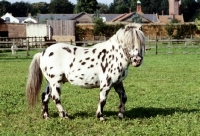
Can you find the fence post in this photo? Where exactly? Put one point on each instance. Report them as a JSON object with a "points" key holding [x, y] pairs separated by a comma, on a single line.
{"points": [[186, 47], [40, 42], [156, 45], [27, 48], [169, 45]]}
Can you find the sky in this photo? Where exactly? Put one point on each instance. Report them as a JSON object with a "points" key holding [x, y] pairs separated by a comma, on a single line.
{"points": [[48, 1]]}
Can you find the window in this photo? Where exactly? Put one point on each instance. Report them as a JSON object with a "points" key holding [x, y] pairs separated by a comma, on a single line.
{"points": [[7, 19]]}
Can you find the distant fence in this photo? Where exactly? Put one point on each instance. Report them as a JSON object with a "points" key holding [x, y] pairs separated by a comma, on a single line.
{"points": [[34, 43], [153, 46], [188, 45]]}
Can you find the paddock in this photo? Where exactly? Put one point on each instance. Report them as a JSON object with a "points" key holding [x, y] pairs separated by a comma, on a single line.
{"points": [[164, 96]]}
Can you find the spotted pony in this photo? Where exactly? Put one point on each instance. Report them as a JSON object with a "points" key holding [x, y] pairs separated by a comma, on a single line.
{"points": [[104, 65]]}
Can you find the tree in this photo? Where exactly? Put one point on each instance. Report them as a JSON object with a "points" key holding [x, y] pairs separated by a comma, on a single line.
{"points": [[41, 7], [188, 8], [61, 6], [5, 7], [137, 18], [103, 8], [20, 9], [88, 6], [120, 6]]}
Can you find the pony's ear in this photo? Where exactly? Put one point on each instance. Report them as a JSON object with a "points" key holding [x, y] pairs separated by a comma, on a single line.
{"points": [[127, 28], [137, 26]]}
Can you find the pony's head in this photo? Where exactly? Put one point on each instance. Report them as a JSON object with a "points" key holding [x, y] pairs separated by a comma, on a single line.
{"points": [[132, 40]]}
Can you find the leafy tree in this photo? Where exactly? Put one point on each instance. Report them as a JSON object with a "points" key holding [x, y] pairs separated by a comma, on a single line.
{"points": [[41, 7], [197, 23], [188, 8], [174, 20], [61, 6], [5, 7], [21, 9], [164, 6], [103, 8], [137, 18], [88, 6], [145, 6], [120, 6], [101, 28]]}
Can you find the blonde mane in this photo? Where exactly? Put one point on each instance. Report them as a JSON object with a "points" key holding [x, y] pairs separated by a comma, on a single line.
{"points": [[131, 36]]}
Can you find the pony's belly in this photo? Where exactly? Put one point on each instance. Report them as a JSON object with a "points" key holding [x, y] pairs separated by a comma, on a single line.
{"points": [[88, 84], [84, 80]]}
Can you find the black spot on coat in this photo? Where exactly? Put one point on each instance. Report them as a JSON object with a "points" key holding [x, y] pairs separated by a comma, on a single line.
{"points": [[67, 49], [50, 54]]}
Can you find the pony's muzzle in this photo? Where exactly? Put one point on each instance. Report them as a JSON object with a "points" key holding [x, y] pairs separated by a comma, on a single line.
{"points": [[136, 61]]}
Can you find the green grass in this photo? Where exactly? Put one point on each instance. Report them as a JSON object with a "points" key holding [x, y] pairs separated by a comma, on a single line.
{"points": [[163, 99]]}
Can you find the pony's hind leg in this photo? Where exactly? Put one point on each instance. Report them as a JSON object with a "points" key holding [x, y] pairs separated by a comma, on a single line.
{"points": [[56, 92], [45, 100], [119, 88]]}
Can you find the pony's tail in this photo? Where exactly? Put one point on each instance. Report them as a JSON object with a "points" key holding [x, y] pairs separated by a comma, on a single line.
{"points": [[34, 81]]}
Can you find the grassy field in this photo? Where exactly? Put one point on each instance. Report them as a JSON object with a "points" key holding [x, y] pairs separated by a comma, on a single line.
{"points": [[163, 99]]}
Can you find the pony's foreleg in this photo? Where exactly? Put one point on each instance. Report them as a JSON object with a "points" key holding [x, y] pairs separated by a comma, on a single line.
{"points": [[102, 101], [56, 92], [119, 88], [45, 100]]}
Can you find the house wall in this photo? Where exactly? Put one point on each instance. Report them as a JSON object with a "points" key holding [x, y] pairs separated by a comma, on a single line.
{"points": [[84, 19], [62, 27], [3, 27], [36, 30], [16, 30], [173, 7]]}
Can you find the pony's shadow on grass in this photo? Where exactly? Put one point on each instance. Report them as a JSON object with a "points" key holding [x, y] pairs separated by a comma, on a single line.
{"points": [[76, 115], [143, 112], [134, 113]]}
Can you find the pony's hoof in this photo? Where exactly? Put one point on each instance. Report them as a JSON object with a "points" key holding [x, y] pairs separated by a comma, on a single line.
{"points": [[102, 119], [64, 115], [67, 118], [45, 116], [120, 116]]}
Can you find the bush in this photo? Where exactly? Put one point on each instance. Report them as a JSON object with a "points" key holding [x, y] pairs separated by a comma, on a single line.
{"points": [[103, 29], [180, 30]]}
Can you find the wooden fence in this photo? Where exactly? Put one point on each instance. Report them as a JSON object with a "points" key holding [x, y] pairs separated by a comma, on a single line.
{"points": [[189, 45], [62, 27]]}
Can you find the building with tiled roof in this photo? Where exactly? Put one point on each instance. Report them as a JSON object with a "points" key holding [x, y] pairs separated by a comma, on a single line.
{"points": [[9, 18], [174, 12], [129, 17], [80, 17]]}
